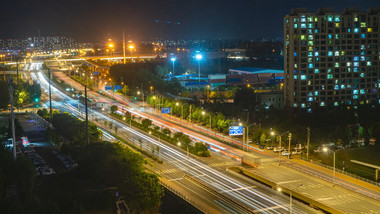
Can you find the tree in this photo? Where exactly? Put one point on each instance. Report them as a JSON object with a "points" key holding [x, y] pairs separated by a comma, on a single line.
{"points": [[146, 123], [263, 138], [110, 124], [125, 89], [116, 129], [113, 109]]}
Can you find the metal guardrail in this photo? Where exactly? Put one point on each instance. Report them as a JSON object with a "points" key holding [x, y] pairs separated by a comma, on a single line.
{"points": [[343, 172], [184, 197]]}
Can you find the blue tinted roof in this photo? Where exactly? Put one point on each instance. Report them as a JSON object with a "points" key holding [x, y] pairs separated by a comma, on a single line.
{"points": [[258, 70]]}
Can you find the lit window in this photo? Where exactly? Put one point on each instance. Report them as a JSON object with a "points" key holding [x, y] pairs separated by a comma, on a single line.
{"points": [[362, 53], [330, 53], [310, 54], [311, 65], [295, 105], [369, 64], [355, 97], [356, 30], [355, 91], [316, 53], [336, 36], [363, 36], [303, 19], [337, 65], [316, 71], [295, 53], [343, 52], [342, 87], [330, 36], [362, 75], [295, 20], [362, 58], [322, 104], [303, 25], [309, 110], [316, 30], [330, 18], [348, 86], [369, 30], [310, 99], [317, 59], [356, 69], [309, 18], [363, 24], [295, 25], [323, 87], [329, 76], [336, 104], [349, 30], [316, 93], [337, 24], [303, 77], [309, 25], [336, 87], [356, 19], [356, 58], [356, 64], [295, 65], [349, 63], [315, 19], [362, 47], [329, 70], [303, 37], [303, 105], [336, 53], [310, 37], [362, 91], [310, 43], [295, 77], [337, 19], [310, 48]]}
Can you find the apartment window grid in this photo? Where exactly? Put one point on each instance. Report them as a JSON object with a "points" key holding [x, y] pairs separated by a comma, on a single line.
{"points": [[334, 57]]}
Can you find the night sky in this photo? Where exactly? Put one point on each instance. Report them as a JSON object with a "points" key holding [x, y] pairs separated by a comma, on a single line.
{"points": [[93, 20]]}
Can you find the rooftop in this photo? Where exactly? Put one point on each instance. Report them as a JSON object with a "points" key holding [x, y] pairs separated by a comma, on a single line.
{"points": [[256, 70]]}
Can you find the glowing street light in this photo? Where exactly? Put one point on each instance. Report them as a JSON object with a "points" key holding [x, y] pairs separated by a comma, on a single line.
{"points": [[325, 149], [199, 57], [131, 47], [173, 60]]}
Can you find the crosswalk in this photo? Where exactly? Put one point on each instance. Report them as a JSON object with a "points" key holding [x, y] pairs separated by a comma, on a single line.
{"points": [[213, 165]]}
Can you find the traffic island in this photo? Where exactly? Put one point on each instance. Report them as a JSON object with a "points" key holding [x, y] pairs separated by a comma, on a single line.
{"points": [[243, 173]]}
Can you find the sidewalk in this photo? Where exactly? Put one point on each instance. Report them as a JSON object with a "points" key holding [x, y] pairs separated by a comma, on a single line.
{"points": [[338, 175]]}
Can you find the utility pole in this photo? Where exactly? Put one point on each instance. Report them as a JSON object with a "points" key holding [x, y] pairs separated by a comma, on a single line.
{"points": [[244, 137], [10, 81], [17, 70], [190, 114], [51, 110], [308, 142], [85, 103], [125, 60], [290, 139]]}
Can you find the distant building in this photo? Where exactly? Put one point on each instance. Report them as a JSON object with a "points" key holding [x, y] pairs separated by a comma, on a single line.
{"points": [[254, 76], [271, 99], [331, 59]]}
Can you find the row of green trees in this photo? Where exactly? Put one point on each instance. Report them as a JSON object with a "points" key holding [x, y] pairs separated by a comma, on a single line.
{"points": [[178, 138], [23, 93]]}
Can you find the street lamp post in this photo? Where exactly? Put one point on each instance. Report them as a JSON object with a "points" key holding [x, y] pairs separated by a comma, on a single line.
{"points": [[180, 119], [204, 113], [246, 138], [325, 149], [199, 57], [173, 60], [279, 189]]}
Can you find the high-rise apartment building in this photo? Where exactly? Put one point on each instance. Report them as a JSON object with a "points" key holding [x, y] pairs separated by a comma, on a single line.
{"points": [[331, 59]]}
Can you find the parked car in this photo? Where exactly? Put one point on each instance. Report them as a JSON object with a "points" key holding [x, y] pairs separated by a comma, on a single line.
{"points": [[285, 153], [278, 149], [296, 152], [270, 147], [47, 171]]}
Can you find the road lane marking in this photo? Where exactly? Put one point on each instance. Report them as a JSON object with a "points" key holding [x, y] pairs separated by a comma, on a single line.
{"points": [[238, 189]]}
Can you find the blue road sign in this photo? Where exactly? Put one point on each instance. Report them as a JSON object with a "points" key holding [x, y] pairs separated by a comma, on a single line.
{"points": [[236, 130], [108, 87], [96, 73], [117, 87], [165, 110]]}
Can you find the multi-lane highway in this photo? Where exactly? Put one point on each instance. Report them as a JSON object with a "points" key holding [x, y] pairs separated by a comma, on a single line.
{"points": [[243, 197]]}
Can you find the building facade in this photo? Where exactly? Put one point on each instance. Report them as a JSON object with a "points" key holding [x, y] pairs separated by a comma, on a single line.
{"points": [[331, 59]]}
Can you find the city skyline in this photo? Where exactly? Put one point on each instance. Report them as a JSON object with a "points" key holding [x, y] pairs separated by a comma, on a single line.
{"points": [[93, 21]]}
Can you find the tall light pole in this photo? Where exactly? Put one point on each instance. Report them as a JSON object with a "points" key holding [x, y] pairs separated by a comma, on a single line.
{"points": [[124, 59], [180, 119], [290, 139], [10, 80], [199, 57], [51, 110], [204, 113], [325, 149], [308, 142], [173, 60], [246, 138]]}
